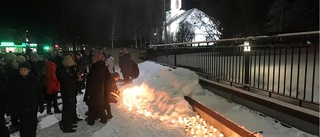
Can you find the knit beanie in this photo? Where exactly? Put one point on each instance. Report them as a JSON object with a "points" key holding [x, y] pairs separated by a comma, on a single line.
{"points": [[10, 56], [25, 65], [68, 61], [21, 59], [33, 55]]}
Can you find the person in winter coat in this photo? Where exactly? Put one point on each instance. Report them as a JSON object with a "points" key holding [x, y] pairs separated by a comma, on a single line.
{"points": [[68, 79], [53, 86], [28, 98], [35, 69], [12, 72], [110, 63], [125, 65], [113, 89], [3, 96], [80, 66], [97, 89]]}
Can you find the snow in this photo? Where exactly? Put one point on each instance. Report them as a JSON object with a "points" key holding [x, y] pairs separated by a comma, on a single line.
{"points": [[150, 103]]}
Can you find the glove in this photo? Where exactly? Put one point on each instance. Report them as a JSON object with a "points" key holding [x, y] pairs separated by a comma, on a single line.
{"points": [[41, 109]]}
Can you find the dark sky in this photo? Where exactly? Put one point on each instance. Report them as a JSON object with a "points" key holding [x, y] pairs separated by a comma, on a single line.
{"points": [[91, 20]]}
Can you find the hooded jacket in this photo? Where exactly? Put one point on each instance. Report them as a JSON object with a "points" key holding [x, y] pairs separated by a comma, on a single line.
{"points": [[97, 88], [110, 64]]}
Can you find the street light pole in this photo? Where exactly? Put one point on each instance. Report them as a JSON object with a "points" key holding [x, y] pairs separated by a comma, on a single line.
{"points": [[165, 22]]}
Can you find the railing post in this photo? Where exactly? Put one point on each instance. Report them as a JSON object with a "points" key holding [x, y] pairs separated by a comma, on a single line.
{"points": [[246, 68], [246, 53], [175, 56]]}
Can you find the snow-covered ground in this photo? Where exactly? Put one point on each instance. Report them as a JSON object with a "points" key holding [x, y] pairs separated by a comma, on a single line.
{"points": [[152, 105]]}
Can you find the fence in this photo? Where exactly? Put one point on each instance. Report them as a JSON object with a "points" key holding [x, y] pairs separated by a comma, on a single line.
{"points": [[284, 64]]}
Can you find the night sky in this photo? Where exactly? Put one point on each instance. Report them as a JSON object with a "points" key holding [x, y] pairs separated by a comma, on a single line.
{"points": [[83, 21]]}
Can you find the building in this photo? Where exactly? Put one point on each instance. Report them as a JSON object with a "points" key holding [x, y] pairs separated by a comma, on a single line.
{"points": [[189, 26]]}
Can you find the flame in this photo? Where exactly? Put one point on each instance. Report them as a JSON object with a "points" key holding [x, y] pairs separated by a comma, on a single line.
{"points": [[135, 99]]}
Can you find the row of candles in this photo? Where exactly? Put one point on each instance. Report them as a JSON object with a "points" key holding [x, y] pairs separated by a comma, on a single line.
{"points": [[195, 126]]}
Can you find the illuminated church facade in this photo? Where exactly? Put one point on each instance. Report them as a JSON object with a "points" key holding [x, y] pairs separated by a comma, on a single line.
{"points": [[201, 26]]}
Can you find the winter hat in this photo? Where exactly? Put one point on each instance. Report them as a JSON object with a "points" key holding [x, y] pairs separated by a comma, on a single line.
{"points": [[25, 65], [68, 61], [33, 55], [21, 59], [10, 56]]}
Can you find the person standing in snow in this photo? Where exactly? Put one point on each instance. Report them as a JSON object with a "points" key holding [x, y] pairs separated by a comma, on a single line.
{"points": [[68, 78], [110, 63], [35, 69], [53, 85], [97, 89], [125, 65], [28, 98], [3, 96], [11, 68], [80, 66]]}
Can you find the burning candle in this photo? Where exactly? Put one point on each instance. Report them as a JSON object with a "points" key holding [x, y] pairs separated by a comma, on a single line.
{"points": [[214, 130], [205, 130], [205, 135], [161, 119], [210, 134], [173, 121], [186, 129], [221, 135]]}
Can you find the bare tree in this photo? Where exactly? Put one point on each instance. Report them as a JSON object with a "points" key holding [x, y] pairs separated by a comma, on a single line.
{"points": [[185, 32], [134, 35], [113, 33], [208, 24]]}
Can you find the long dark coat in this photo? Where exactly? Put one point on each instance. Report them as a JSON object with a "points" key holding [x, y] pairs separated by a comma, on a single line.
{"points": [[27, 93], [97, 87], [3, 89], [125, 63]]}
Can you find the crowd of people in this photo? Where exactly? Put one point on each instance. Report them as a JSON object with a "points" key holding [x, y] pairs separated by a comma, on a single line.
{"points": [[29, 85]]}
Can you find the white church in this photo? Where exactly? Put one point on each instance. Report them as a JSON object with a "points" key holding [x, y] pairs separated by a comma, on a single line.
{"points": [[203, 26]]}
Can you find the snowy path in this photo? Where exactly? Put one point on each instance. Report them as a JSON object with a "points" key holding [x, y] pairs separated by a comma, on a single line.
{"points": [[169, 86]]}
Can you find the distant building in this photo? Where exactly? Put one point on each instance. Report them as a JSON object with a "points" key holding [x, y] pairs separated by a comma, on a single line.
{"points": [[189, 26]]}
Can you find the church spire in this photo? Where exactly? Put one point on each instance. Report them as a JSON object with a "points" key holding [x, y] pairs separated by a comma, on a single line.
{"points": [[175, 4]]}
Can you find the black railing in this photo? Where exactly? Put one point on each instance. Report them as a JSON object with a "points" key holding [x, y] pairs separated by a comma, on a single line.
{"points": [[290, 68]]}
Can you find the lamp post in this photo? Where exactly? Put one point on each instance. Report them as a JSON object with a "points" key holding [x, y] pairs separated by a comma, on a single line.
{"points": [[28, 49], [246, 50], [165, 22]]}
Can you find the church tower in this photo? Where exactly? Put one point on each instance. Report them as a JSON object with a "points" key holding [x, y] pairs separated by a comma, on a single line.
{"points": [[175, 5]]}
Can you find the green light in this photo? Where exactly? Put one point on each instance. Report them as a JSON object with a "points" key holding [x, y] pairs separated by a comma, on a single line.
{"points": [[33, 45], [46, 47], [7, 44]]}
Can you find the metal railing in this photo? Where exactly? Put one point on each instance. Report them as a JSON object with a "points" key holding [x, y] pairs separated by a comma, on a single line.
{"points": [[284, 64]]}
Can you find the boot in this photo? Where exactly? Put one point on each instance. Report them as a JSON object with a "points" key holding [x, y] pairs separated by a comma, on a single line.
{"points": [[109, 115], [57, 111]]}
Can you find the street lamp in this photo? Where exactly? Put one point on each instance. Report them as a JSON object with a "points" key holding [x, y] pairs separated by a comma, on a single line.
{"points": [[246, 45]]}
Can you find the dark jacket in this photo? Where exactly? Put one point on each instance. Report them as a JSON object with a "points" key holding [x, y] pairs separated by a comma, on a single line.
{"points": [[28, 93], [97, 87], [12, 75], [35, 69], [67, 81], [3, 89], [125, 63]]}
